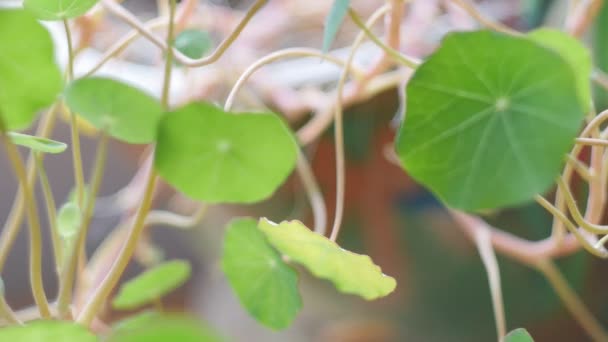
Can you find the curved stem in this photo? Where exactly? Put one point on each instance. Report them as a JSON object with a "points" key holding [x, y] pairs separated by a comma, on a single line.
{"points": [[12, 227], [315, 196], [130, 19], [7, 312], [34, 223], [571, 300], [399, 57], [160, 217], [70, 264], [477, 15], [51, 208], [571, 227], [575, 212], [483, 242]]}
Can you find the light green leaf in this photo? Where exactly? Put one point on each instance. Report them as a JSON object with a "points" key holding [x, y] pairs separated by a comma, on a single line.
{"points": [[193, 43], [152, 285], [575, 53], [69, 219], [37, 144], [123, 111], [333, 22], [29, 77], [220, 157], [518, 335], [58, 9], [157, 327], [265, 285], [489, 119], [45, 331], [350, 272]]}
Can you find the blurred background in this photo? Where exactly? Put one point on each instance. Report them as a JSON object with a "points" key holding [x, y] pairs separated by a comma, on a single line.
{"points": [[442, 290]]}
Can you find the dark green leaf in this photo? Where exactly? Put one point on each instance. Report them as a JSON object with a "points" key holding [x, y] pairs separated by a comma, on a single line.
{"points": [[46, 331], [157, 327], [58, 9], [518, 335], [489, 119], [152, 285], [265, 285], [333, 22], [193, 43], [123, 111], [29, 78], [37, 144], [216, 157], [350, 272]]}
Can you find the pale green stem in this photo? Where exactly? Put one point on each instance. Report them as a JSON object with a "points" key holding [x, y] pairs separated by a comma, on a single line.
{"points": [[51, 209]]}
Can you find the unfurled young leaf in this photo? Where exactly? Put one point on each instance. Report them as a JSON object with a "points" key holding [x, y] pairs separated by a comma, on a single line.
{"points": [[518, 335], [350, 272], [46, 331], [58, 9], [265, 285], [489, 119], [37, 144], [124, 112], [333, 22], [220, 157], [29, 78], [152, 285], [159, 327]]}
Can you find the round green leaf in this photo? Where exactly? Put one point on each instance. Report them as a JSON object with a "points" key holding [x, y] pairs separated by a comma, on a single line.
{"points": [[216, 157], [152, 285], [123, 111], [489, 119], [69, 219], [37, 144], [193, 43], [29, 77], [58, 9], [575, 53], [45, 331], [157, 327], [265, 285], [518, 335], [350, 272]]}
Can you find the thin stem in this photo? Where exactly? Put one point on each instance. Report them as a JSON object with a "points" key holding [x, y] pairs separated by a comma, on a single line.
{"points": [[483, 242], [13, 224], [575, 212], [160, 217], [70, 264], [571, 227], [7, 313], [69, 40], [592, 141], [34, 223], [51, 208], [313, 191], [571, 300], [399, 57], [580, 167], [130, 19], [101, 293], [468, 7]]}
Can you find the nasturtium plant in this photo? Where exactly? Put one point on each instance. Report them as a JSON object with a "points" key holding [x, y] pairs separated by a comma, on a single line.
{"points": [[45, 331], [350, 272], [58, 9], [575, 53], [152, 285], [334, 20], [518, 335], [264, 284], [160, 327], [219, 157], [123, 111], [193, 43], [37, 144], [69, 218], [489, 119], [29, 78]]}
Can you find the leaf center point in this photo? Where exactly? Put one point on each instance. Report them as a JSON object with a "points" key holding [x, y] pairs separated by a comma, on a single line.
{"points": [[502, 104]]}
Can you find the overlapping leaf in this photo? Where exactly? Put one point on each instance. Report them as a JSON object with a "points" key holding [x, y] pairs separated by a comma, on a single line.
{"points": [[45, 331], [37, 144], [58, 9]]}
